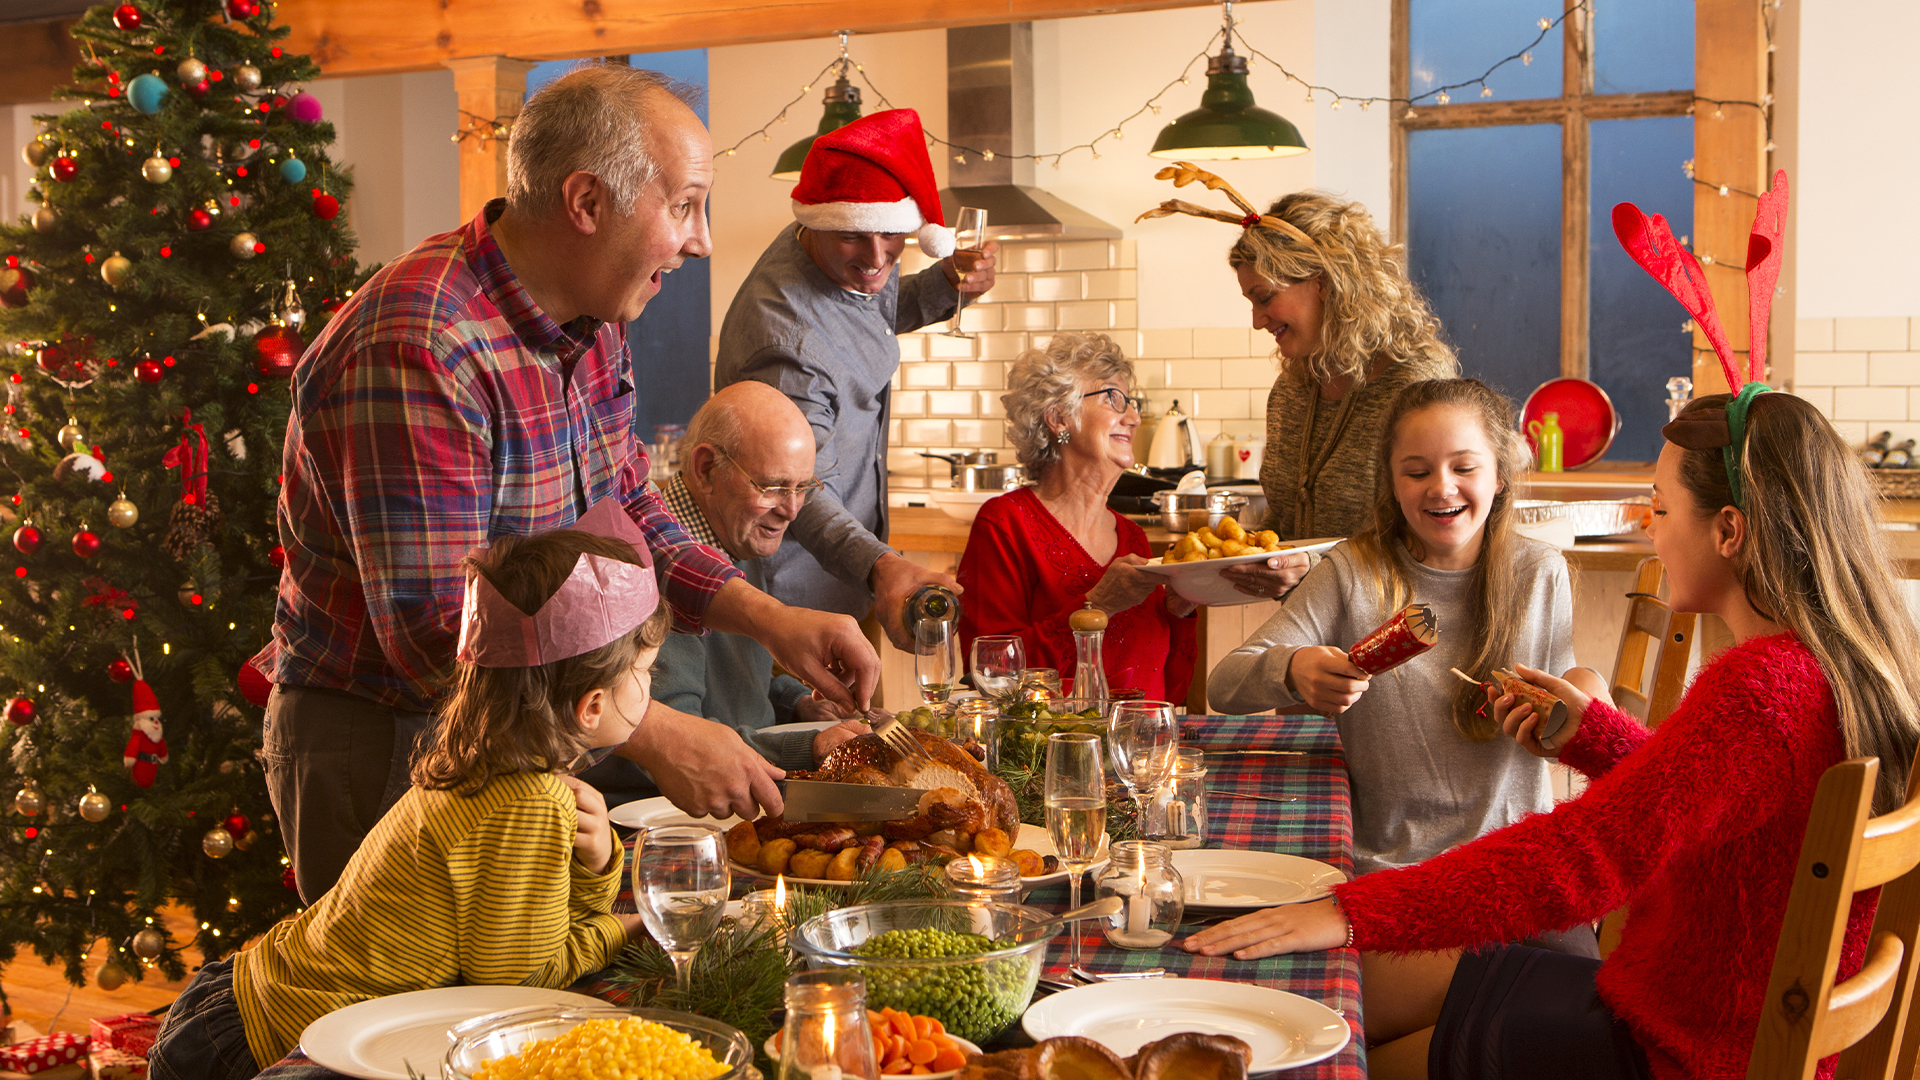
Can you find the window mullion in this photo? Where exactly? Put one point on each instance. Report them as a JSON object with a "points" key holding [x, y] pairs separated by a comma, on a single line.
{"points": [[1576, 68]]}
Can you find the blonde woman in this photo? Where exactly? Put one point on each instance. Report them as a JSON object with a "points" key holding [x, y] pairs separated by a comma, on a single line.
{"points": [[1351, 332]]}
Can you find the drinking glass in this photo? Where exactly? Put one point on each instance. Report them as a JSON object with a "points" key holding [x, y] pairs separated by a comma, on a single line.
{"points": [[1144, 740], [936, 659], [969, 235], [997, 663], [680, 885], [1076, 796]]}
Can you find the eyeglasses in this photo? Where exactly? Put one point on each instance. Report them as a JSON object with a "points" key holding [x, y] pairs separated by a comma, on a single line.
{"points": [[774, 492], [1117, 400]]}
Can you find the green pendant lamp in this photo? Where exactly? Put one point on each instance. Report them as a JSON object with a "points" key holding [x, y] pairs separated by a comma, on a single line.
{"points": [[1228, 125], [843, 107]]}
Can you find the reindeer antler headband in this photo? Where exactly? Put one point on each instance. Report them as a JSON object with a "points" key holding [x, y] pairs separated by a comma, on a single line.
{"points": [[1650, 241], [600, 601], [1183, 173]]}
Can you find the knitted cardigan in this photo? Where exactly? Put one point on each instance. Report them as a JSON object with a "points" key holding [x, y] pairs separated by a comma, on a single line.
{"points": [[1696, 827]]}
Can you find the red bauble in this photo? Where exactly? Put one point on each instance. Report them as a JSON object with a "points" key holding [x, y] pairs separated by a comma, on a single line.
{"points": [[126, 17], [120, 671], [199, 221], [287, 879], [278, 349], [242, 9], [14, 283], [26, 539], [148, 371], [86, 544], [197, 89], [68, 363], [278, 557], [65, 168], [326, 207], [22, 711], [237, 824]]}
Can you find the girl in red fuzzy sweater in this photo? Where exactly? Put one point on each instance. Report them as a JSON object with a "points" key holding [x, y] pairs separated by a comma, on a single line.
{"points": [[1695, 827]]}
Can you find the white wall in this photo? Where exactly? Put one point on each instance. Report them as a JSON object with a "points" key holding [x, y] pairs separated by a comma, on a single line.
{"points": [[394, 133]]}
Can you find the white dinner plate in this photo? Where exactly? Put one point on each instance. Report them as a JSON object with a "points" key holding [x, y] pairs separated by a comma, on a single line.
{"points": [[1200, 580], [658, 811], [1031, 838], [378, 1039], [1218, 878], [972, 1050], [1284, 1030]]}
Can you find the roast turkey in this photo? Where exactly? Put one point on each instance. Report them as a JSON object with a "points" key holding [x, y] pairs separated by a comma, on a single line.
{"points": [[961, 794]]}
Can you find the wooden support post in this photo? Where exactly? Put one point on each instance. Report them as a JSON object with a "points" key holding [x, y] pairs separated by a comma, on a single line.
{"points": [[489, 88], [1729, 148]]}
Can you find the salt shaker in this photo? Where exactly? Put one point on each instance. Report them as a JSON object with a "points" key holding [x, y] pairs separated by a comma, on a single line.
{"points": [[827, 1036], [1177, 816], [1152, 892]]}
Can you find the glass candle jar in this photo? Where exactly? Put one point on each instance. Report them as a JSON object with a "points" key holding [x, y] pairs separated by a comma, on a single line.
{"points": [[973, 725], [827, 1036], [984, 877], [1152, 893], [1040, 684], [1177, 816]]}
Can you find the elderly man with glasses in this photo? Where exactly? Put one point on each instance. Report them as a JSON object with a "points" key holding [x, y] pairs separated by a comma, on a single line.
{"points": [[746, 471]]}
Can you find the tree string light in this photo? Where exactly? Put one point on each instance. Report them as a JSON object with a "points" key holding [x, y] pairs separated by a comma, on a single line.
{"points": [[483, 129]]}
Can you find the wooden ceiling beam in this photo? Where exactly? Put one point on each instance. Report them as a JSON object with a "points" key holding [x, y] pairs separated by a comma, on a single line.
{"points": [[35, 58]]}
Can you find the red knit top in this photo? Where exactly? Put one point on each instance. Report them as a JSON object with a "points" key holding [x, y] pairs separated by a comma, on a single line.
{"points": [[1695, 827]]}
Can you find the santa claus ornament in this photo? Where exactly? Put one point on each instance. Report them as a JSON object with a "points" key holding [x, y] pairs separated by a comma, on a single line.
{"points": [[146, 746], [874, 176]]}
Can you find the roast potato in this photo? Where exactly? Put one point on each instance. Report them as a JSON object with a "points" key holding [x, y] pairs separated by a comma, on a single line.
{"points": [[809, 864], [774, 855], [743, 844]]}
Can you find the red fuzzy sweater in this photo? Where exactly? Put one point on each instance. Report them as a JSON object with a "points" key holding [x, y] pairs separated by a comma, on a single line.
{"points": [[1696, 827]]}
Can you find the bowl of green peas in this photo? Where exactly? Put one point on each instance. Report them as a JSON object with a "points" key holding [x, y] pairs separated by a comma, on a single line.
{"points": [[972, 964]]}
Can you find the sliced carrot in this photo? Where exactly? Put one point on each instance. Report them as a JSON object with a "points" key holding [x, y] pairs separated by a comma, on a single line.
{"points": [[948, 1058], [896, 1068], [921, 1070], [935, 1026], [900, 1047], [921, 1051]]}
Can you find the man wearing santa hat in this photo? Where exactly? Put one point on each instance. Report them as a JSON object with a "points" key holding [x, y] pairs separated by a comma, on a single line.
{"points": [[817, 318]]}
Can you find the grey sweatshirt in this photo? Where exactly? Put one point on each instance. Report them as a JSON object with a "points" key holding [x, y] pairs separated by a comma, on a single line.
{"points": [[1419, 786]]}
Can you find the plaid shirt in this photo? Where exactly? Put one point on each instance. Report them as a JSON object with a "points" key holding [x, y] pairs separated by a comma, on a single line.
{"points": [[439, 409]]}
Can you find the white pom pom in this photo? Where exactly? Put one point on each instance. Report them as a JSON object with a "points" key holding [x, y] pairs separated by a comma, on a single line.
{"points": [[935, 240]]}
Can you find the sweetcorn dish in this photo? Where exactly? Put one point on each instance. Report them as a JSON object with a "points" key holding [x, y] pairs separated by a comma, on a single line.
{"points": [[710, 1050]]}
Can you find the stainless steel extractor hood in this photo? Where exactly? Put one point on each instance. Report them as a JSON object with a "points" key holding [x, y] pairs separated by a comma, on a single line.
{"points": [[990, 108]]}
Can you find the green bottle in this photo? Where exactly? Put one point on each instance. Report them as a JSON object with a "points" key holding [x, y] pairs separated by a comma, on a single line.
{"points": [[1547, 440]]}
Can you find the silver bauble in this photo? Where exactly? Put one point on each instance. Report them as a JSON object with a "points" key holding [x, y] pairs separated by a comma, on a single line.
{"points": [[36, 153], [70, 434], [156, 170], [218, 843], [242, 245], [46, 219], [122, 514], [148, 944], [29, 801], [191, 71], [246, 78], [95, 806]]}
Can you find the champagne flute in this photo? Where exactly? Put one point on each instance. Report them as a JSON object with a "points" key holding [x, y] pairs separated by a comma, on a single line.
{"points": [[1144, 741], [680, 884], [970, 236], [998, 660], [936, 659], [1076, 796]]}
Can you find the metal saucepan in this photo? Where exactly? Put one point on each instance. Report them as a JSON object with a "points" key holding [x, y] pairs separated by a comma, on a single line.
{"points": [[988, 477], [959, 461], [1182, 511]]}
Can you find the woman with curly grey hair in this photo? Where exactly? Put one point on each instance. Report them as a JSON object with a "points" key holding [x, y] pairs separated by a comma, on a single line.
{"points": [[1040, 553]]}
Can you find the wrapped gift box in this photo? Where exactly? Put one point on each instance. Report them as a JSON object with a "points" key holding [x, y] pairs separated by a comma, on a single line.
{"points": [[132, 1033], [106, 1063], [36, 1057]]}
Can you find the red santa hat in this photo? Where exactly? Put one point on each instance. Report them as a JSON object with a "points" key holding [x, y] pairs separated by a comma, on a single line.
{"points": [[874, 176], [143, 699]]}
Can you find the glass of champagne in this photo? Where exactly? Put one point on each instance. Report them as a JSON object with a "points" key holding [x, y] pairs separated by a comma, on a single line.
{"points": [[680, 885], [998, 661], [1144, 742], [1076, 795], [936, 659], [970, 236]]}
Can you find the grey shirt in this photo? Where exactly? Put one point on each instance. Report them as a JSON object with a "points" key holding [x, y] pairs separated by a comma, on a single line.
{"points": [[834, 353], [1419, 786]]}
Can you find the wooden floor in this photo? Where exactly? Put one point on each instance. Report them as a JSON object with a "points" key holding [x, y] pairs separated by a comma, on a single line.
{"points": [[41, 996]]}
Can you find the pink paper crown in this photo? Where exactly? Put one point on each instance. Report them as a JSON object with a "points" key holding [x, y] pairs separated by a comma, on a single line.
{"points": [[600, 601]]}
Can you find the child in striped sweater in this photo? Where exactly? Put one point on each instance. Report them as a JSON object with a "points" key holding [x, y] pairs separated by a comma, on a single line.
{"points": [[497, 867]]}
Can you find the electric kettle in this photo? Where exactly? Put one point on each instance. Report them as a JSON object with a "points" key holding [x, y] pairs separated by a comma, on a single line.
{"points": [[1176, 442]]}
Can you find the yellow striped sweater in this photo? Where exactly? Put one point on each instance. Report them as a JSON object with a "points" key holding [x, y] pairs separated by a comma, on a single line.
{"points": [[447, 889]]}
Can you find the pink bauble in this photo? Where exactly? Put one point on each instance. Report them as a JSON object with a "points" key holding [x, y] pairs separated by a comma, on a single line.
{"points": [[304, 107]]}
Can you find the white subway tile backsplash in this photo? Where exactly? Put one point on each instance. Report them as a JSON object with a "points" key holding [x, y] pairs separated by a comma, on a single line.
{"points": [[1220, 341], [1150, 374], [925, 375], [1893, 368], [1030, 317], [1007, 289], [983, 318], [1855, 434], [1002, 346], [1126, 314], [1867, 403], [942, 347], [1111, 284], [1025, 258], [1051, 287], [1080, 255], [989, 403], [1171, 344], [909, 403], [927, 433], [913, 346], [1240, 429], [1194, 374], [1820, 396], [1813, 335], [1251, 372], [1870, 334], [950, 402], [1216, 404], [1124, 254], [1831, 369], [1084, 314], [968, 375], [978, 434]]}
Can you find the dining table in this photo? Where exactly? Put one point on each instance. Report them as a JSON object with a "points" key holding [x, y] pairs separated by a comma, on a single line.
{"points": [[1275, 784]]}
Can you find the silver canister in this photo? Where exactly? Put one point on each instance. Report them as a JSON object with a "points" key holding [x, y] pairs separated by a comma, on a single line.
{"points": [[1177, 816]]}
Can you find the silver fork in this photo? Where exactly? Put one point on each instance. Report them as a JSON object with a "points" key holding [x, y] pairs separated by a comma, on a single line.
{"points": [[903, 742]]}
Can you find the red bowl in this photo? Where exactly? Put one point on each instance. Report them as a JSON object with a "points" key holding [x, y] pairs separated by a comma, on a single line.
{"points": [[1587, 419]]}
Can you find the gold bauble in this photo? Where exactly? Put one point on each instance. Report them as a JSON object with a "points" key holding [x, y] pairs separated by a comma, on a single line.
{"points": [[46, 219], [70, 434], [246, 78], [218, 843], [242, 245], [115, 270], [29, 801], [110, 977], [156, 169], [95, 806], [122, 514], [190, 71], [36, 153], [148, 944], [247, 840]]}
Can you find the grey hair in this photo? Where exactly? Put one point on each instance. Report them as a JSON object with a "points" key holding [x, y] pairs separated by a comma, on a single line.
{"points": [[594, 119], [1048, 381], [716, 424]]}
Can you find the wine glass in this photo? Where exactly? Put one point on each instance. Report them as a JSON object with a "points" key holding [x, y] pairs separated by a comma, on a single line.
{"points": [[680, 885], [1076, 795], [969, 235], [1144, 741], [936, 659], [998, 660]]}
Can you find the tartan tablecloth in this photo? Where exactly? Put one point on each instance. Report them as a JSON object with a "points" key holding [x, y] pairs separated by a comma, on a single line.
{"points": [[1318, 826]]}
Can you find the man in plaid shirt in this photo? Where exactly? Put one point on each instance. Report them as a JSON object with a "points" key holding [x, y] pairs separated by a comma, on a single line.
{"points": [[480, 385]]}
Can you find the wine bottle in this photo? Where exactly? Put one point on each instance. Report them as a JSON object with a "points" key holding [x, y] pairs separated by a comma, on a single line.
{"points": [[1900, 457]]}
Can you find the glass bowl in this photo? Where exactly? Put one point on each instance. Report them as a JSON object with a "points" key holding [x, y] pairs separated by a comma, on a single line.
{"points": [[976, 995], [496, 1035], [1020, 742]]}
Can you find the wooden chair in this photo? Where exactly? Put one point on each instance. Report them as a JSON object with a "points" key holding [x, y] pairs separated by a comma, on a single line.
{"points": [[1806, 1016], [1651, 621]]}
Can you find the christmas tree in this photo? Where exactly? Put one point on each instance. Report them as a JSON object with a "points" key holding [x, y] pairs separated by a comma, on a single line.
{"points": [[151, 312]]}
